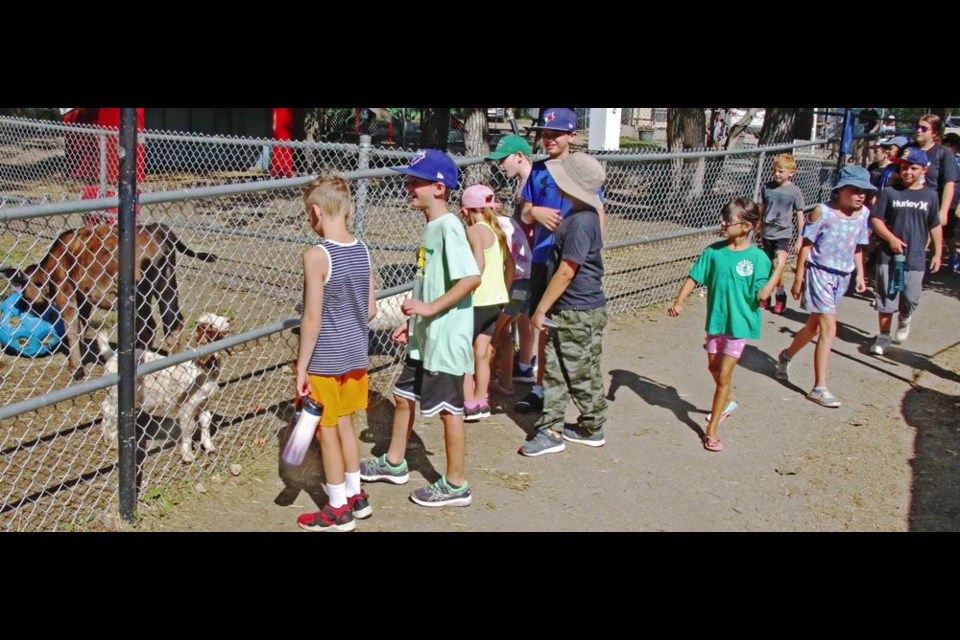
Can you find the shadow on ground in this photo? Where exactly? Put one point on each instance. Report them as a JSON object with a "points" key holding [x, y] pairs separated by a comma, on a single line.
{"points": [[935, 504]]}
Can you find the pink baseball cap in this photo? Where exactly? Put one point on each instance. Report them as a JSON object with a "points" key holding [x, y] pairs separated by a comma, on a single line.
{"points": [[479, 196]]}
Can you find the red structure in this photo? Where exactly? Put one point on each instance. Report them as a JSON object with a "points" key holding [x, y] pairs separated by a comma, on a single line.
{"points": [[281, 159], [83, 149]]}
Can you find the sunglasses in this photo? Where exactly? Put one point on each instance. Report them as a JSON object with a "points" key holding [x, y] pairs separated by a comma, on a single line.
{"points": [[922, 128], [731, 223]]}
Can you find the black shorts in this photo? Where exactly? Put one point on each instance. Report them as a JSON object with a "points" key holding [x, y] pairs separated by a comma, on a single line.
{"points": [[485, 319], [950, 229], [442, 391], [771, 246], [538, 285]]}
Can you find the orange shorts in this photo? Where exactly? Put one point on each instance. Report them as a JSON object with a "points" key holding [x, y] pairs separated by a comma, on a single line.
{"points": [[340, 395]]}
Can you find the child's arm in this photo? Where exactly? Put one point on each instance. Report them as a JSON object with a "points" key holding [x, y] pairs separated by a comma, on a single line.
{"points": [[936, 234], [315, 267], [475, 239], [555, 288], [767, 289], [801, 222], [883, 231], [372, 309], [797, 287], [858, 262], [688, 286], [546, 216], [509, 270], [454, 294], [602, 213]]}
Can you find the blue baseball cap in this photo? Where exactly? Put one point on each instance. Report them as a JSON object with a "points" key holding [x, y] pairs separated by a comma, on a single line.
{"points": [[433, 165], [900, 141], [558, 119], [913, 155]]}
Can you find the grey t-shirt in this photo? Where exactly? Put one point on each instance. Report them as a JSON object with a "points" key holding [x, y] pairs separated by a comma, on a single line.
{"points": [[578, 240], [909, 214], [780, 202]]}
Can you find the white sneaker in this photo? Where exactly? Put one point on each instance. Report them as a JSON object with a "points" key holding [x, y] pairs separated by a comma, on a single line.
{"points": [[903, 329], [880, 344]]}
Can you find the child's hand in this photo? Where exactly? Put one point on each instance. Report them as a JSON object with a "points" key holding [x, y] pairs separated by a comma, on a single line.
{"points": [[414, 307], [302, 384], [861, 284], [537, 320], [675, 310], [797, 288], [549, 218], [401, 334], [897, 245]]}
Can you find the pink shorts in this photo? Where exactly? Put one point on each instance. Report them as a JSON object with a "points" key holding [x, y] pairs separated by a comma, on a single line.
{"points": [[726, 345]]}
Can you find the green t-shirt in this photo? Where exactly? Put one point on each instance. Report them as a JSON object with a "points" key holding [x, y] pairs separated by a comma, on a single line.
{"points": [[445, 341], [733, 279]]}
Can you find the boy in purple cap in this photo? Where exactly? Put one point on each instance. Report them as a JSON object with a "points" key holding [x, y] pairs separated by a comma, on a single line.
{"points": [[544, 204], [904, 217], [439, 335]]}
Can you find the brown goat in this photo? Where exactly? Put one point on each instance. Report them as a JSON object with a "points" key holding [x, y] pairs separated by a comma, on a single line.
{"points": [[80, 271]]}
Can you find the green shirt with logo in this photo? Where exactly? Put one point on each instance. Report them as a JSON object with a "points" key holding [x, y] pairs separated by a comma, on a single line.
{"points": [[443, 342], [733, 279]]}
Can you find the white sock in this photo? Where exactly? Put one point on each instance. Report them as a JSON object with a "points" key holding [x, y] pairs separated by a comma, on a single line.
{"points": [[780, 290], [353, 482], [338, 495], [537, 390]]}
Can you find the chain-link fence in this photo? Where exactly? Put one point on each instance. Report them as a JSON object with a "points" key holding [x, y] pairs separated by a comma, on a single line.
{"points": [[58, 469]]}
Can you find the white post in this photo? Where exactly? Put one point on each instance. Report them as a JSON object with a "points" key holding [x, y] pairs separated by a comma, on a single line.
{"points": [[604, 129]]}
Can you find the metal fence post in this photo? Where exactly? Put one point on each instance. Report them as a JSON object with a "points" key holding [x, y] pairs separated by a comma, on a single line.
{"points": [[126, 331], [103, 163], [761, 161], [363, 162]]}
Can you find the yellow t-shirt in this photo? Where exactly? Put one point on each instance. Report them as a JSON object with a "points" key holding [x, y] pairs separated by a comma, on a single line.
{"points": [[492, 289]]}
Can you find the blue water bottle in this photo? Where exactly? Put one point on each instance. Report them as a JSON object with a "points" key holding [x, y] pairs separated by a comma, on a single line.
{"points": [[303, 432], [896, 275]]}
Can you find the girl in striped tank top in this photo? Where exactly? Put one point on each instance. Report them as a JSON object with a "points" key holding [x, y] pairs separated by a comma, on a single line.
{"points": [[332, 364], [489, 244]]}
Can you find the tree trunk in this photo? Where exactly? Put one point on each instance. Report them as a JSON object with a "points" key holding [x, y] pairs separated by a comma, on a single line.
{"points": [[685, 130], [778, 126], [434, 128], [737, 129], [475, 145]]}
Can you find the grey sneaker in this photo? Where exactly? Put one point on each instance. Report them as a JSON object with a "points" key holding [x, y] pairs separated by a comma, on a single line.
{"points": [[824, 398], [472, 415], [544, 441], [441, 494], [578, 434], [782, 372], [377, 469], [903, 329], [880, 345]]}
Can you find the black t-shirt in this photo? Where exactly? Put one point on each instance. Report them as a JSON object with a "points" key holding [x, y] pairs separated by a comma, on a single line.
{"points": [[578, 240], [909, 214]]}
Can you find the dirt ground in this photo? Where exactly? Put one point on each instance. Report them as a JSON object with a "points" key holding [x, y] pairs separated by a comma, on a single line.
{"points": [[887, 460]]}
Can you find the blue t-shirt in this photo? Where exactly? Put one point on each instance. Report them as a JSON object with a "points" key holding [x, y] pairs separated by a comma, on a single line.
{"points": [[835, 238], [541, 190]]}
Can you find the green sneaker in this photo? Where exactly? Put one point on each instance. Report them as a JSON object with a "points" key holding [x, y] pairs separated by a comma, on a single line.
{"points": [[441, 494], [377, 469]]}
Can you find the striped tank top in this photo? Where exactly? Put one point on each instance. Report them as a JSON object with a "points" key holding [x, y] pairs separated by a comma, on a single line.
{"points": [[342, 344], [492, 289]]}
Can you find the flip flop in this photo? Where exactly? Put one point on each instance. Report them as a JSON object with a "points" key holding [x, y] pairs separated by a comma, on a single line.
{"points": [[712, 444], [731, 407]]}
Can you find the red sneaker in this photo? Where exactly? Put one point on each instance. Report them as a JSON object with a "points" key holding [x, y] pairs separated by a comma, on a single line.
{"points": [[328, 519], [781, 304], [765, 303], [360, 505]]}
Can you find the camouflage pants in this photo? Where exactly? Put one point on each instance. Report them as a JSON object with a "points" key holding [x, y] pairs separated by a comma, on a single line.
{"points": [[572, 369]]}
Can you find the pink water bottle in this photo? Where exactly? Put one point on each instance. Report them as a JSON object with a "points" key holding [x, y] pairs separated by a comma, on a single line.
{"points": [[303, 432]]}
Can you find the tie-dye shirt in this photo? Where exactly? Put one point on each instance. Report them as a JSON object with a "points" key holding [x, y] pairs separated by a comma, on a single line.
{"points": [[835, 238]]}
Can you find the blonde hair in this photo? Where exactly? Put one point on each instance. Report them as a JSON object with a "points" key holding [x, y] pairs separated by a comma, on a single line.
{"points": [[785, 161], [330, 193], [490, 217]]}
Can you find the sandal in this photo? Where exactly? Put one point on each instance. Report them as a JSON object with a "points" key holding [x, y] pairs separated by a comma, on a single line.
{"points": [[712, 444], [731, 407]]}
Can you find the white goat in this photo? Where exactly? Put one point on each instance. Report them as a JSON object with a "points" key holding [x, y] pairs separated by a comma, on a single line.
{"points": [[183, 389]]}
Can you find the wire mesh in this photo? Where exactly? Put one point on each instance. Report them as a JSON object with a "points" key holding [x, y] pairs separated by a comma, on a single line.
{"points": [[58, 469]]}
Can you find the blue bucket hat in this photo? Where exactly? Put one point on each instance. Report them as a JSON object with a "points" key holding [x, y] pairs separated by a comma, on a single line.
{"points": [[913, 155], [433, 165], [854, 177], [558, 120]]}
